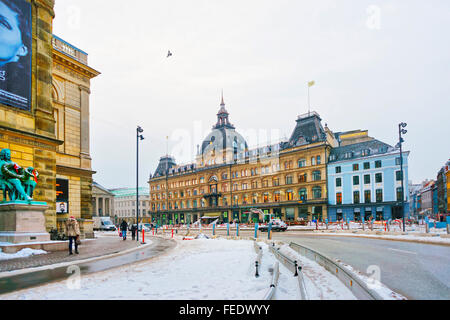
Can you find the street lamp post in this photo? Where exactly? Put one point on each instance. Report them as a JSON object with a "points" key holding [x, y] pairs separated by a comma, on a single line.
{"points": [[139, 136], [401, 131]]}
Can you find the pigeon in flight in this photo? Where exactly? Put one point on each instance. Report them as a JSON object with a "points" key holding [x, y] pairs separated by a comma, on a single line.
{"points": [[169, 54]]}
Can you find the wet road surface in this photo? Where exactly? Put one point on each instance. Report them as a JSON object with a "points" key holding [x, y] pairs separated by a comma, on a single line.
{"points": [[21, 281], [415, 270]]}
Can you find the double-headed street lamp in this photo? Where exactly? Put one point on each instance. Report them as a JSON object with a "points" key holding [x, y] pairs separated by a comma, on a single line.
{"points": [[401, 131], [139, 137]]}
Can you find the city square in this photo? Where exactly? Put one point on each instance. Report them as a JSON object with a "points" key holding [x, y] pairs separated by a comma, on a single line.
{"points": [[253, 151]]}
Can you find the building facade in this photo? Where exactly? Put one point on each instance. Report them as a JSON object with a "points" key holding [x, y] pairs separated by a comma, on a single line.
{"points": [[124, 204], [234, 183], [364, 180], [102, 201], [50, 130]]}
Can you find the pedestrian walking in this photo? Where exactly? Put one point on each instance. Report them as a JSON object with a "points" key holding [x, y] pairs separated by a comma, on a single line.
{"points": [[123, 229], [73, 232], [133, 231]]}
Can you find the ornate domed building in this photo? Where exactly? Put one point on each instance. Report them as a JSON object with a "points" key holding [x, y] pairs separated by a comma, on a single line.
{"points": [[224, 144]]}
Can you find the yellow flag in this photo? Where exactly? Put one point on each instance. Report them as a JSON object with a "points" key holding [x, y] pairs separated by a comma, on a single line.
{"points": [[311, 83]]}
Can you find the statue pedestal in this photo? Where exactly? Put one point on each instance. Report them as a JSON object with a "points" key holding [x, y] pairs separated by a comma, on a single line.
{"points": [[23, 222]]}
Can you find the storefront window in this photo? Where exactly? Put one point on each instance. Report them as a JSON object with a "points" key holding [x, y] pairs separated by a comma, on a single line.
{"points": [[290, 214]]}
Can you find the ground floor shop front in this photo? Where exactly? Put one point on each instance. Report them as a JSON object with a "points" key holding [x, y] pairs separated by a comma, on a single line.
{"points": [[292, 213], [378, 212]]}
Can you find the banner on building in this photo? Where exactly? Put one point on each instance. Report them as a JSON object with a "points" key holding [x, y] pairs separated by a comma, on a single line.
{"points": [[15, 53], [62, 196]]}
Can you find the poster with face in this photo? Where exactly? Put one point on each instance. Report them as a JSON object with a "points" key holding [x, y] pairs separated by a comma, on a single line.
{"points": [[61, 207], [15, 53]]}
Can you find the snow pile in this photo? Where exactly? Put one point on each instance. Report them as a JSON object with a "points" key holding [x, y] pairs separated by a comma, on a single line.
{"points": [[319, 283], [201, 236], [194, 270], [374, 284], [24, 253]]}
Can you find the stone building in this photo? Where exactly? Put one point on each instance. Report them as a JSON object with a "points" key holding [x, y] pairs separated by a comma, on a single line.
{"points": [[52, 134], [102, 201], [125, 205], [232, 182]]}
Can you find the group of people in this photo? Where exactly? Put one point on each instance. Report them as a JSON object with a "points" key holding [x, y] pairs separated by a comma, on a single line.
{"points": [[124, 229]]}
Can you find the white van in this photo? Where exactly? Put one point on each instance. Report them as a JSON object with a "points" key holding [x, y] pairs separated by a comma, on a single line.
{"points": [[103, 224]]}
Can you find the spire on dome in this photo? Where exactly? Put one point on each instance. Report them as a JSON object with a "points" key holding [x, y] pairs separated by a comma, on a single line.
{"points": [[222, 116]]}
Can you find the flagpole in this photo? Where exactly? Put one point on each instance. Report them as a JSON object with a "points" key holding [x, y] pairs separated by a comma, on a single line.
{"points": [[309, 104]]}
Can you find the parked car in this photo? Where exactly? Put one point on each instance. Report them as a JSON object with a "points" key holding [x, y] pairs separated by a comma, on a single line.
{"points": [[277, 225], [143, 226]]}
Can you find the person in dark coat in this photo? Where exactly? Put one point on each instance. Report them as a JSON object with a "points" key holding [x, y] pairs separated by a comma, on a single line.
{"points": [[133, 231], [123, 228]]}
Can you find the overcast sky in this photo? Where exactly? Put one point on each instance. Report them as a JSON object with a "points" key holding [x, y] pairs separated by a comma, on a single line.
{"points": [[375, 64]]}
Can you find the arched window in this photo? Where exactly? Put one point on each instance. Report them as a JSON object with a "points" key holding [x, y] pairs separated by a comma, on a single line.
{"points": [[317, 192]]}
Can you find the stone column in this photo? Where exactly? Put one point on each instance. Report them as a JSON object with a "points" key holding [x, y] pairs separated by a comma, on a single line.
{"points": [[96, 207]]}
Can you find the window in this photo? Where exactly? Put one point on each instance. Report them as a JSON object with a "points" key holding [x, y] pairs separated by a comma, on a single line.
{"points": [[367, 197], [277, 197], [245, 199], [338, 182], [313, 161], [356, 180], [302, 178], [276, 182], [316, 176], [397, 161], [244, 186], [399, 194], [339, 198], [266, 197], [378, 177], [338, 169], [355, 196], [255, 198], [379, 195], [398, 176], [366, 165], [317, 192], [301, 163], [289, 179], [302, 195], [378, 164], [355, 167], [318, 160], [289, 195], [265, 183], [367, 179]]}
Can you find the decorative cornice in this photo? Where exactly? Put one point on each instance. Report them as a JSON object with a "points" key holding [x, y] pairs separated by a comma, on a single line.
{"points": [[45, 4]]}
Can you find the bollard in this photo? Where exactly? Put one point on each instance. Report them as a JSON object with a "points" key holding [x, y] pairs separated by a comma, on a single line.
{"points": [[296, 267], [371, 225], [153, 231], [172, 232], [237, 229], [257, 274], [214, 229], [317, 225], [427, 227], [269, 230], [143, 236], [363, 222], [228, 229], [326, 223], [256, 230], [348, 224]]}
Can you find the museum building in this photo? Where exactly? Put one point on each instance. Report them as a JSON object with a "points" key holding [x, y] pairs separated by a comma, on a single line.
{"points": [[50, 130]]}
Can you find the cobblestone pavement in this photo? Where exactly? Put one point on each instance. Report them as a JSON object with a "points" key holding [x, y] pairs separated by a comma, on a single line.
{"points": [[102, 245]]}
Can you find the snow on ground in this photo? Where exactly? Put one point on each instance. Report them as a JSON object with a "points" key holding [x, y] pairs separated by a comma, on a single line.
{"points": [[26, 252], [319, 283], [197, 269], [374, 284]]}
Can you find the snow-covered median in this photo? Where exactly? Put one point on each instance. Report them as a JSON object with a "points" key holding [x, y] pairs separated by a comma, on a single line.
{"points": [[195, 270], [319, 283], [26, 252]]}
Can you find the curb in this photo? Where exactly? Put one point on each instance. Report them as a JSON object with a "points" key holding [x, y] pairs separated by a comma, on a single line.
{"points": [[379, 238], [7, 274]]}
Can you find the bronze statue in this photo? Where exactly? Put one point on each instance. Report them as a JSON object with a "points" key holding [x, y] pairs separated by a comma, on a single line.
{"points": [[18, 183]]}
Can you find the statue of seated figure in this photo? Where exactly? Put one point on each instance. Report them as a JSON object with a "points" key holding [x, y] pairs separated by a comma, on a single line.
{"points": [[14, 180]]}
